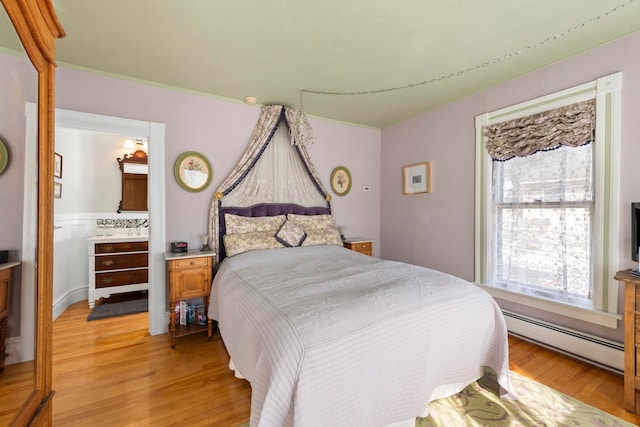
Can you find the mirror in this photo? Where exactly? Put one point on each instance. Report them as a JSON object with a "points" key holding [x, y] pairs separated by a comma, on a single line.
{"points": [[134, 171], [37, 27], [18, 84]]}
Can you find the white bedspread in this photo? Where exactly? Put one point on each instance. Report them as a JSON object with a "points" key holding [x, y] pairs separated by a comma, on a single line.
{"points": [[330, 337]]}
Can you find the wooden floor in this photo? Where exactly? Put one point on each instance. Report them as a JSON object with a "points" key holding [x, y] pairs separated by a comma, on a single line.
{"points": [[112, 373]]}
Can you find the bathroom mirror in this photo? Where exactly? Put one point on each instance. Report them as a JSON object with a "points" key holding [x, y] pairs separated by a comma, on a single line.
{"points": [[134, 170]]}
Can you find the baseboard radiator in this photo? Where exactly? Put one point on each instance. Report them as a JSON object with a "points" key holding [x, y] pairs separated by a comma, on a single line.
{"points": [[589, 348]]}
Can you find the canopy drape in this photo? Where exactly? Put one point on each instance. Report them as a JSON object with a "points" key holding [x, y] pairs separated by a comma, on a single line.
{"points": [[273, 169]]}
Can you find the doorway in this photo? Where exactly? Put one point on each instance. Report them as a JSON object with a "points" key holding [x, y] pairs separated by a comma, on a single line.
{"points": [[154, 134]]}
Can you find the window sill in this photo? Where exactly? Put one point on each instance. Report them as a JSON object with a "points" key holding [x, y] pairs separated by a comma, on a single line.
{"points": [[609, 320]]}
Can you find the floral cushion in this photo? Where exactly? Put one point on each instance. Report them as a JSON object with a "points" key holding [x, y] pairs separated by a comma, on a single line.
{"points": [[238, 243], [312, 222], [291, 234], [246, 224], [323, 236]]}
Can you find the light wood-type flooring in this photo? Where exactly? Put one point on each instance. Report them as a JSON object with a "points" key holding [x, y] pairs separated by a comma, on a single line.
{"points": [[112, 373]]}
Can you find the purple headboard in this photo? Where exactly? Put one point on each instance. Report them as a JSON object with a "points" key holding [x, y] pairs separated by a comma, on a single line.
{"points": [[265, 209]]}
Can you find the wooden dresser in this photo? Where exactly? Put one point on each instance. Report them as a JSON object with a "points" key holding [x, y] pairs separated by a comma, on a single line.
{"points": [[5, 294], [631, 339], [363, 246], [190, 276], [117, 264]]}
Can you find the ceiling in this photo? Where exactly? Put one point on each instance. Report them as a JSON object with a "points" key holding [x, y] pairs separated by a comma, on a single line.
{"points": [[271, 49]]}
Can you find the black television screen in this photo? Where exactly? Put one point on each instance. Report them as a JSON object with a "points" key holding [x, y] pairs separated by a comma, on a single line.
{"points": [[635, 230]]}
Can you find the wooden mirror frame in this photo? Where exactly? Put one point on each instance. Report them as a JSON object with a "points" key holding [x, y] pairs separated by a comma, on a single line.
{"points": [[134, 185], [37, 27]]}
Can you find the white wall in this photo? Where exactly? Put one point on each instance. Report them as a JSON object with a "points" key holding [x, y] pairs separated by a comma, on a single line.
{"points": [[91, 178]]}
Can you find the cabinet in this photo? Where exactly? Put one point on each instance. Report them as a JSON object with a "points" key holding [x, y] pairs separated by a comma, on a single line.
{"points": [[190, 276], [631, 339], [117, 265], [5, 288], [363, 246]]}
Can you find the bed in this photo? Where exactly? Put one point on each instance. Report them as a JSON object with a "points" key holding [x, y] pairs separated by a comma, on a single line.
{"points": [[330, 337]]}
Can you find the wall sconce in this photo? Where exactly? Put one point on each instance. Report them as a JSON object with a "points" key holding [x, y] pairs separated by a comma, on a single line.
{"points": [[136, 144]]}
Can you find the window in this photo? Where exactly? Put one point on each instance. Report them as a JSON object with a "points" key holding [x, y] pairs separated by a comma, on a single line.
{"points": [[543, 209], [546, 223]]}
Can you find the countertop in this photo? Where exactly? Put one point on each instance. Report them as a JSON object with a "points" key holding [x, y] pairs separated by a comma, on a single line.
{"points": [[118, 238], [191, 254]]}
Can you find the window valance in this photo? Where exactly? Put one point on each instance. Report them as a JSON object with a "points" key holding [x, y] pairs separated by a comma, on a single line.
{"points": [[571, 125]]}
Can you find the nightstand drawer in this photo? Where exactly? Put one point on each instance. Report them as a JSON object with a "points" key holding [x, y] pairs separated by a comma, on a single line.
{"points": [[363, 247], [191, 263]]}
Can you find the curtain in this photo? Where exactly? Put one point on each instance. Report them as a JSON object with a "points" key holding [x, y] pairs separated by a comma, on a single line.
{"points": [[543, 218], [278, 177], [571, 125], [273, 169]]}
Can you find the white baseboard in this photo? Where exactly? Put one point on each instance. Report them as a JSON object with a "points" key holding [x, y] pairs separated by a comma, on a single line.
{"points": [[72, 296], [589, 348]]}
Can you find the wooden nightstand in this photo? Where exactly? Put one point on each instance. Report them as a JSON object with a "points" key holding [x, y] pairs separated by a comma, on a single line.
{"points": [[190, 276], [5, 288], [631, 339], [363, 246]]}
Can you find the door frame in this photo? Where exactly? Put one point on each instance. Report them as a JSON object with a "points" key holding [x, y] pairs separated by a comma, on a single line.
{"points": [[155, 134]]}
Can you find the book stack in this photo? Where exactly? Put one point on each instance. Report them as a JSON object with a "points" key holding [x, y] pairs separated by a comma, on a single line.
{"points": [[188, 313]]}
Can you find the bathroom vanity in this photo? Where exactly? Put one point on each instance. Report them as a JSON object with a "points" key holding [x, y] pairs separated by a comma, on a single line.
{"points": [[117, 264]]}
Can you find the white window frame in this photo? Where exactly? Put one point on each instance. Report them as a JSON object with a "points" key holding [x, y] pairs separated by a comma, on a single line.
{"points": [[607, 93]]}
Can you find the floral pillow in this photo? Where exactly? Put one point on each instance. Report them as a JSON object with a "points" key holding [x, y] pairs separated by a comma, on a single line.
{"points": [[312, 222], [238, 243], [247, 224], [323, 236], [291, 234]]}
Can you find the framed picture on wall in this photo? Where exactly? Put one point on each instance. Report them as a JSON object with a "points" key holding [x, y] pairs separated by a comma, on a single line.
{"points": [[57, 190], [193, 171], [57, 165], [416, 178], [341, 181], [4, 156]]}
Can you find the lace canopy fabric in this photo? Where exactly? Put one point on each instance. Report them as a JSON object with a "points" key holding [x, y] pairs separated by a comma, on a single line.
{"points": [[571, 125], [273, 169]]}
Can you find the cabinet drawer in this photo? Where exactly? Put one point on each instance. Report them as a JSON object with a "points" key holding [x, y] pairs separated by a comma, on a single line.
{"points": [[361, 247], [119, 278], [117, 262], [637, 299], [110, 248], [191, 263]]}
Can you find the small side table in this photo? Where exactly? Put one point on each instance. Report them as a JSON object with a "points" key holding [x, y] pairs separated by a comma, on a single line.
{"points": [[5, 293], [361, 245], [190, 275], [631, 339]]}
